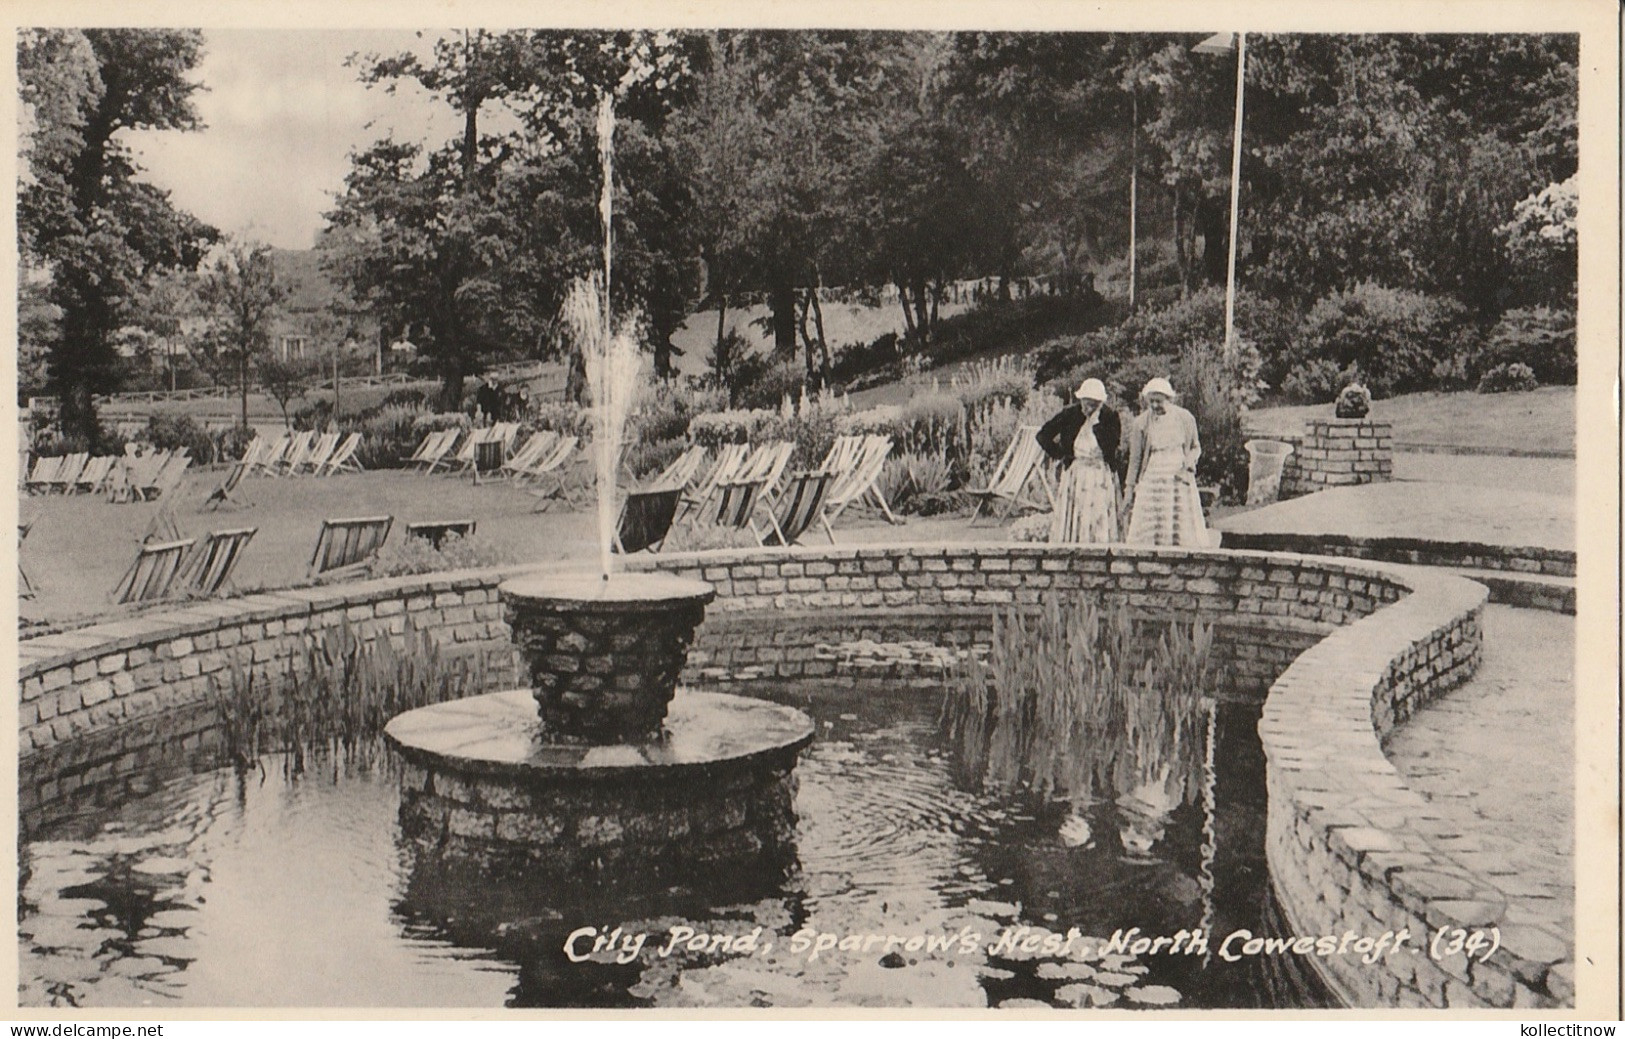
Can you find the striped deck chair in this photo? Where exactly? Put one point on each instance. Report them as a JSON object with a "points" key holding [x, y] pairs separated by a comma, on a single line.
{"points": [[552, 469], [843, 454], [25, 587], [1008, 486], [527, 455], [767, 464], [859, 483], [681, 472], [271, 454], [227, 491], [45, 470], [320, 451], [208, 569], [347, 543], [434, 449], [646, 519], [436, 531], [94, 474], [68, 475], [168, 477], [801, 503], [298, 451], [344, 458], [729, 458], [153, 574]]}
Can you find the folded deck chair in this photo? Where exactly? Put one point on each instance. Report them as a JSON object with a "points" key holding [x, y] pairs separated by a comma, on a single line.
{"points": [[345, 543], [152, 575], [208, 569], [94, 475], [227, 491], [344, 459], [436, 531], [859, 482], [646, 519], [552, 473], [320, 451], [25, 587], [729, 458], [798, 507], [1008, 486]]}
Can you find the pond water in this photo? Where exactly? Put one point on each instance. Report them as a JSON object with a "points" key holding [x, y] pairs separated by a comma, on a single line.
{"points": [[216, 889]]}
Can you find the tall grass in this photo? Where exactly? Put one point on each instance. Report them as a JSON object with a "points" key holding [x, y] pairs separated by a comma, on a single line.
{"points": [[1080, 701], [333, 697]]}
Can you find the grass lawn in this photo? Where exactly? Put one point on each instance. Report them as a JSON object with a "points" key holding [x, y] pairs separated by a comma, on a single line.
{"points": [[1540, 421]]}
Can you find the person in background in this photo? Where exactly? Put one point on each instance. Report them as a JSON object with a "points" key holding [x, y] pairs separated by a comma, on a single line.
{"points": [[1084, 438], [1165, 508], [488, 399]]}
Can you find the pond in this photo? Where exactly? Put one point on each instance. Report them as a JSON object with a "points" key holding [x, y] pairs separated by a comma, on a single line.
{"points": [[909, 888]]}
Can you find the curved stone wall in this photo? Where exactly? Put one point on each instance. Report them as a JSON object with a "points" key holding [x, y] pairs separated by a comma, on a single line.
{"points": [[1350, 846]]}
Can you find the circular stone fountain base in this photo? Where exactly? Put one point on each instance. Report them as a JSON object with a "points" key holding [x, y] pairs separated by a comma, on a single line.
{"points": [[484, 786]]}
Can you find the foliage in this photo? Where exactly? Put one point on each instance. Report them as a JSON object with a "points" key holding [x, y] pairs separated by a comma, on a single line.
{"points": [[1353, 402], [334, 696], [169, 432], [1207, 388], [286, 379], [1081, 702], [563, 418], [1542, 243], [420, 556], [918, 485], [1539, 338], [648, 457], [1317, 380], [1508, 378], [240, 295], [1393, 336], [738, 426]]}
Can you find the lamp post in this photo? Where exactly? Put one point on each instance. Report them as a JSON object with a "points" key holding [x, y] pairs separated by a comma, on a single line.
{"points": [[1224, 43]]}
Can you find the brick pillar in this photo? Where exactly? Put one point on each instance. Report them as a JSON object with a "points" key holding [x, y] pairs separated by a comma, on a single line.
{"points": [[1343, 452]]}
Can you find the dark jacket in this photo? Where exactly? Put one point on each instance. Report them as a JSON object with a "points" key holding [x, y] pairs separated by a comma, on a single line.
{"points": [[1058, 433], [489, 400]]}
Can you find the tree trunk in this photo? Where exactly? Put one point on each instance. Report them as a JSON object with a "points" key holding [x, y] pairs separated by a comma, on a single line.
{"points": [[1211, 224], [922, 317], [1182, 258], [782, 301], [242, 380], [823, 343], [909, 330], [806, 339], [722, 322]]}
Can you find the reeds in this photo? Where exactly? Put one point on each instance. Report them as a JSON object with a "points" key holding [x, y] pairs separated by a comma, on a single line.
{"points": [[333, 697], [1079, 701]]}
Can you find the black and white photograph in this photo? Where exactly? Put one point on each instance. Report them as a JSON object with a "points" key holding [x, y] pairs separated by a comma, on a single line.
{"points": [[1111, 515]]}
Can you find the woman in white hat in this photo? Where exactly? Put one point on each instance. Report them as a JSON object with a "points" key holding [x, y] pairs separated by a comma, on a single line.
{"points": [[1084, 437], [1165, 508]]}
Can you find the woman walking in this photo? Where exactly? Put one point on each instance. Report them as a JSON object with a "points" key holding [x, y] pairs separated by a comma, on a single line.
{"points": [[1165, 508], [1084, 437]]}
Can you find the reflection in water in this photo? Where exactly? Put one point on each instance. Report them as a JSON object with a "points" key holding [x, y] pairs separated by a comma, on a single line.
{"points": [[216, 891]]}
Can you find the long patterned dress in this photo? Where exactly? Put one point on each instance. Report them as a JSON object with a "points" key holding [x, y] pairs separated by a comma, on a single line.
{"points": [[1086, 502], [1167, 508]]}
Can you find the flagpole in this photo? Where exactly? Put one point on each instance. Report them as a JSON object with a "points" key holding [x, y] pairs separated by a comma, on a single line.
{"points": [[1235, 199]]}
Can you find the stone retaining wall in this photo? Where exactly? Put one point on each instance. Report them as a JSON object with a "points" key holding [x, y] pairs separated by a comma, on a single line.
{"points": [[1336, 452], [1349, 843]]}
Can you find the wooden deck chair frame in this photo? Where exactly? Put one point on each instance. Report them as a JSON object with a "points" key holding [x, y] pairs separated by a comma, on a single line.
{"points": [[94, 475], [1021, 463], [729, 458], [434, 449], [25, 586], [298, 451], [801, 504], [167, 479], [320, 452], [345, 544], [436, 531], [859, 483], [553, 467], [226, 492], [68, 475], [44, 471], [681, 472], [343, 458], [533, 448], [271, 454], [152, 575], [646, 519], [209, 569]]}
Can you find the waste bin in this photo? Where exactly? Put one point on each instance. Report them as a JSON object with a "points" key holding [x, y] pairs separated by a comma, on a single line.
{"points": [[1267, 461]]}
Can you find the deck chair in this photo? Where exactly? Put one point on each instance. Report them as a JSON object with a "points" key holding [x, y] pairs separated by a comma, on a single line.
{"points": [[94, 474], [67, 476], [798, 507], [140, 472], [44, 472], [298, 452], [436, 531], [859, 482], [434, 449], [530, 452], [552, 470], [729, 458], [346, 543], [208, 569], [153, 574], [320, 452], [343, 458], [843, 454], [168, 477], [646, 519], [767, 464], [681, 472], [271, 454], [25, 587], [1020, 466], [227, 491]]}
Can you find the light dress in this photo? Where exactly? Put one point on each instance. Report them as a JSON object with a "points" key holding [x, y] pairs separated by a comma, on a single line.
{"points": [[1086, 498], [1167, 509]]}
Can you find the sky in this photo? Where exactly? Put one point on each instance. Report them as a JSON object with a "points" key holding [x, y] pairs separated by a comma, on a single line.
{"points": [[282, 114]]}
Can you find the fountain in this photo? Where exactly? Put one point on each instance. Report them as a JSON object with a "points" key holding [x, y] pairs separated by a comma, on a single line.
{"points": [[601, 764]]}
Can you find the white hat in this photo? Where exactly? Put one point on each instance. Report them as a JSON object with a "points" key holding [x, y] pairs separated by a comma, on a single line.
{"points": [[1092, 389], [1159, 385]]}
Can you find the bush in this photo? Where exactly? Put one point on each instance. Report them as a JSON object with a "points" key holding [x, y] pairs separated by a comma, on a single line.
{"points": [[561, 417], [1394, 336], [415, 397], [812, 430], [173, 432], [664, 415], [1206, 389], [762, 382], [1318, 381], [231, 444], [646, 459], [419, 556], [1508, 378], [738, 426], [1539, 338]]}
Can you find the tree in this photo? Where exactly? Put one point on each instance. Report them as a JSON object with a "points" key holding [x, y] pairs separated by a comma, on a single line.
{"points": [[287, 379], [241, 295], [83, 215]]}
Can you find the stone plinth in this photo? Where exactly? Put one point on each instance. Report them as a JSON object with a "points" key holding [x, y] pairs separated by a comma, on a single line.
{"points": [[485, 786], [603, 656]]}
